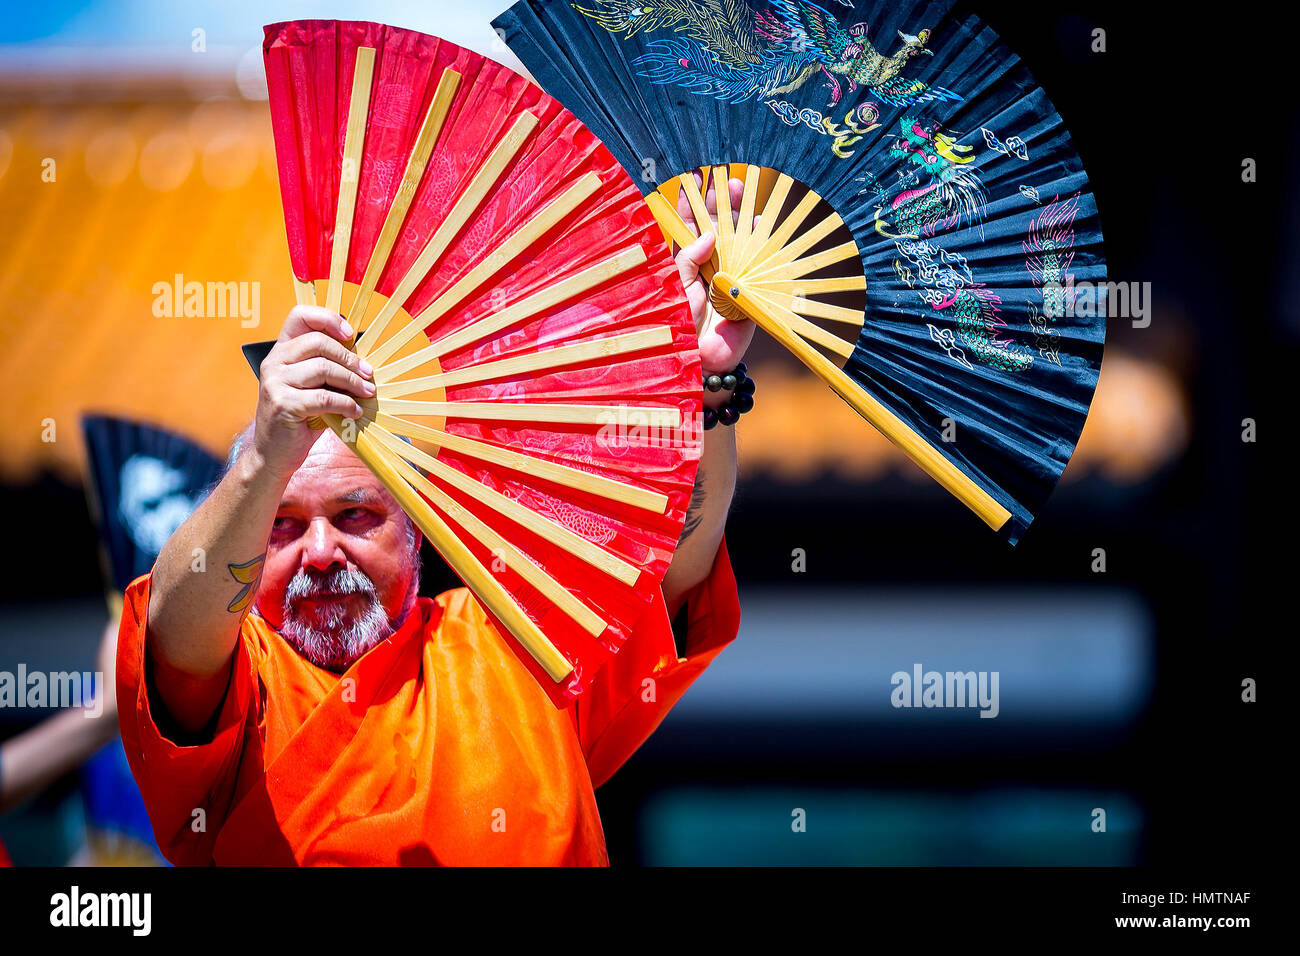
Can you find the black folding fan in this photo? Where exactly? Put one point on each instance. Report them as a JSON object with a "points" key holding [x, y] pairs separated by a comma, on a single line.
{"points": [[928, 242]]}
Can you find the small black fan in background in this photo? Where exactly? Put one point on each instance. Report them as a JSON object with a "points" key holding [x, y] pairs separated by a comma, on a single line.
{"points": [[142, 481]]}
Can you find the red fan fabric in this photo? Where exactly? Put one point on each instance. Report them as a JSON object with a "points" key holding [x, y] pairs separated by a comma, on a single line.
{"points": [[309, 67]]}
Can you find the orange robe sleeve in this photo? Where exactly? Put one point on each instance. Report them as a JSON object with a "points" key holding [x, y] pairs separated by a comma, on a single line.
{"points": [[633, 693], [187, 789]]}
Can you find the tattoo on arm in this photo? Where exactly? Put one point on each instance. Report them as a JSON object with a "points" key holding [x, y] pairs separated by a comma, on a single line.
{"points": [[694, 511], [249, 574]]}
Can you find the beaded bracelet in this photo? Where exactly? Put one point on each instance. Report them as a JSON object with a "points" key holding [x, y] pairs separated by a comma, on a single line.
{"points": [[741, 387]]}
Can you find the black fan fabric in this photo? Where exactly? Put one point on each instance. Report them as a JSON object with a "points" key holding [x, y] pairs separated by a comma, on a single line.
{"points": [[977, 227], [144, 481]]}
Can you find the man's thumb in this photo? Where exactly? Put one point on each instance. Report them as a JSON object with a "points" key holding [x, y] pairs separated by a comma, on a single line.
{"points": [[693, 256]]}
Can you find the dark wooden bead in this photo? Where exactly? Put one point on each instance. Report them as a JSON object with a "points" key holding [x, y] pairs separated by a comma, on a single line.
{"points": [[729, 382], [710, 418], [743, 402], [713, 383], [728, 414], [746, 387]]}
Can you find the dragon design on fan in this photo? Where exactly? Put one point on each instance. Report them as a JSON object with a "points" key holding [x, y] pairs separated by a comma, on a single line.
{"points": [[574, 519], [1049, 246], [725, 49], [954, 195], [949, 288]]}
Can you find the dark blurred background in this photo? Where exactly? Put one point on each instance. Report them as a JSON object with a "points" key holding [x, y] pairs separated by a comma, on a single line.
{"points": [[1119, 690]]}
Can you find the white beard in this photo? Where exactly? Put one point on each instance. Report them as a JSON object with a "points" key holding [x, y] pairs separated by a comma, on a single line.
{"points": [[329, 636]]}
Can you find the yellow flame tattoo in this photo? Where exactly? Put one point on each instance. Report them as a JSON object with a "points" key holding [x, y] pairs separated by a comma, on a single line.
{"points": [[249, 575]]}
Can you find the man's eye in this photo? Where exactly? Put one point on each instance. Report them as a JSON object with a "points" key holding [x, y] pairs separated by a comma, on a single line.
{"points": [[282, 524], [359, 521]]}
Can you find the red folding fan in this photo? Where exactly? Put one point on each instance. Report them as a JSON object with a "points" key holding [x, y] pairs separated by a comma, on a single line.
{"points": [[538, 399]]}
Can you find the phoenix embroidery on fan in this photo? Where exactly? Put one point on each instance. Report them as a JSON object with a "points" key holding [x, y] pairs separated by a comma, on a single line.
{"points": [[1049, 248], [728, 50], [947, 286]]}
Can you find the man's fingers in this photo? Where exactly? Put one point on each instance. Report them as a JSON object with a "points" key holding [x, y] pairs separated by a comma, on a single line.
{"points": [[315, 318], [684, 208], [311, 371], [312, 344], [320, 372], [689, 261], [322, 401], [735, 192]]}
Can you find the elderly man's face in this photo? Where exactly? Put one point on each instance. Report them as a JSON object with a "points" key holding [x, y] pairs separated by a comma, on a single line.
{"points": [[341, 572]]}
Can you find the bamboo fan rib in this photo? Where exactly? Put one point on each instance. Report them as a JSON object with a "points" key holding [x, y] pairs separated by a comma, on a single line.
{"points": [[559, 474], [538, 361], [537, 402], [927, 242]]}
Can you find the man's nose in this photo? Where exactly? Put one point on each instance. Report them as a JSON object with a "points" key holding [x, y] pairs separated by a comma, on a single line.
{"points": [[321, 548]]}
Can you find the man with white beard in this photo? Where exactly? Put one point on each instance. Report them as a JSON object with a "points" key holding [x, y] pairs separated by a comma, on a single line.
{"points": [[324, 632], [348, 721]]}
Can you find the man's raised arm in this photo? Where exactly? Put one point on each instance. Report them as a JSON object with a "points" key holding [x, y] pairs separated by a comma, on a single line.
{"points": [[723, 343], [194, 618]]}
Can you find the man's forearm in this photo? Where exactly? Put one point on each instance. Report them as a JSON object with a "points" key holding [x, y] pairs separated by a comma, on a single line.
{"points": [[706, 518], [204, 582]]}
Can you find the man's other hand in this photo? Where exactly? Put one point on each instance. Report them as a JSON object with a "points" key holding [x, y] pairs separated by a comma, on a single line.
{"points": [[723, 342]]}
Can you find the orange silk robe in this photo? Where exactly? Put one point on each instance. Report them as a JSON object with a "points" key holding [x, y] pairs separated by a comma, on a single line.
{"points": [[436, 747]]}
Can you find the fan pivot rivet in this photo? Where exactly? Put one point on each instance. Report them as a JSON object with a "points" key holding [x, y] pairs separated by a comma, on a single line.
{"points": [[734, 291]]}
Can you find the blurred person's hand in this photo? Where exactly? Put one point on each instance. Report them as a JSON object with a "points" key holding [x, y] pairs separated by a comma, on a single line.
{"points": [[106, 663], [37, 757], [309, 372]]}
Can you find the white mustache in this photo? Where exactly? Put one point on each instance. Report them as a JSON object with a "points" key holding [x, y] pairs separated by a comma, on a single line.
{"points": [[340, 583]]}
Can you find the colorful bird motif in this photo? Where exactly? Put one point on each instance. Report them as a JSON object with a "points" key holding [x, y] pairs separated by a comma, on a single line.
{"points": [[725, 49], [840, 51], [722, 26]]}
